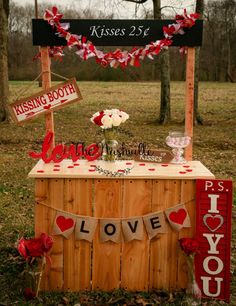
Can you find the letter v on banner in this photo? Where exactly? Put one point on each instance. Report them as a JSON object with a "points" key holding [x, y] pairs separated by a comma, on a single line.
{"points": [[213, 231]]}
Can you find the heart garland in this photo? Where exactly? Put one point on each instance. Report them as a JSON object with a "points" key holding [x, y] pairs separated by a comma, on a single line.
{"points": [[86, 49]]}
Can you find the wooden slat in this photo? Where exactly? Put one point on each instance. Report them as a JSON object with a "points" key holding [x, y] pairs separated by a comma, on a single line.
{"points": [[156, 244], [41, 218], [135, 254], [56, 194], [163, 261], [77, 254], [188, 196], [106, 256], [139, 170], [46, 82], [189, 101]]}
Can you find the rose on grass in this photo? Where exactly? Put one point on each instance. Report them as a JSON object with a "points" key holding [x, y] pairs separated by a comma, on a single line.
{"points": [[35, 247], [35, 251], [109, 118], [190, 246]]}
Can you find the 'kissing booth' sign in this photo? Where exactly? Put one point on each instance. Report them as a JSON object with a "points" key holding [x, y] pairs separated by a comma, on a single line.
{"points": [[45, 100], [213, 230]]}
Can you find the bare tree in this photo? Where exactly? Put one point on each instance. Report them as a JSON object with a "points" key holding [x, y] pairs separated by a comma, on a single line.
{"points": [[4, 88], [165, 114]]}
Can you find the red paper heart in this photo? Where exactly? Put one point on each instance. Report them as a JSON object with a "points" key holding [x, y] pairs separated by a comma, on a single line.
{"points": [[64, 223], [178, 216], [47, 106], [213, 222]]}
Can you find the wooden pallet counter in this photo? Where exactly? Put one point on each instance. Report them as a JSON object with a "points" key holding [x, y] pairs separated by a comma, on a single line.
{"points": [[136, 265]]}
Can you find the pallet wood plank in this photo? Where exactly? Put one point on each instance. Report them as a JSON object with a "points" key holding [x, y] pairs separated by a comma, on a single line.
{"points": [[77, 254], [41, 218], [106, 256], [56, 194], [135, 254], [188, 197]]}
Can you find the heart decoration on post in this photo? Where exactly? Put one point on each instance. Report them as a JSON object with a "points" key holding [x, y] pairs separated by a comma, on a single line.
{"points": [[213, 223]]}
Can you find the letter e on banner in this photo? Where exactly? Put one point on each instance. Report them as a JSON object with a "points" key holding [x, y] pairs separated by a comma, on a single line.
{"points": [[213, 231]]}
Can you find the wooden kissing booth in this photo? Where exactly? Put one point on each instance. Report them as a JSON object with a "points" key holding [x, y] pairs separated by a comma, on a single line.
{"points": [[76, 189]]}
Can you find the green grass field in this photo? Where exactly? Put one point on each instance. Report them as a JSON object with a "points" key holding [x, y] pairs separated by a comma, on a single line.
{"points": [[214, 144]]}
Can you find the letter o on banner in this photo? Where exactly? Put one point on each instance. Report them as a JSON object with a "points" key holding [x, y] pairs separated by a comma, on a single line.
{"points": [[110, 229], [219, 263]]}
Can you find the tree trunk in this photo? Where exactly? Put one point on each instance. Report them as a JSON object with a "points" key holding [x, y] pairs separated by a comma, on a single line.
{"points": [[165, 114], [4, 89], [197, 117]]}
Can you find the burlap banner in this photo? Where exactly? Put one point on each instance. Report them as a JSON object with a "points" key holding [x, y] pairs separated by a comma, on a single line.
{"points": [[110, 229]]}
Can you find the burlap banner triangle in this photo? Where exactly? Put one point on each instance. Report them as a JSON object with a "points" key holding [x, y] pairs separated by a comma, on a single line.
{"points": [[85, 228], [178, 217], [64, 224], [110, 230], [155, 224], [132, 228]]}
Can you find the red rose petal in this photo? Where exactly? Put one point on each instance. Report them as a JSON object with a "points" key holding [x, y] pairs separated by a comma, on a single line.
{"points": [[152, 169], [164, 165], [40, 171], [121, 170], [70, 167], [141, 164], [182, 172], [76, 164], [56, 169], [128, 163], [57, 166], [186, 166], [92, 170], [189, 170], [93, 166]]}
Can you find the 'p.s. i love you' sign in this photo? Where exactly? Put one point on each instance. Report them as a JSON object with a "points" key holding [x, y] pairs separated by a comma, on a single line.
{"points": [[213, 231], [45, 100]]}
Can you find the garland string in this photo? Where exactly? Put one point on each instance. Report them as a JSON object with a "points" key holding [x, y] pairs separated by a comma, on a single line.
{"points": [[86, 49]]}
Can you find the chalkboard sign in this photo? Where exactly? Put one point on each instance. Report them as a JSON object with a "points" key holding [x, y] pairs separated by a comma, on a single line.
{"points": [[115, 32]]}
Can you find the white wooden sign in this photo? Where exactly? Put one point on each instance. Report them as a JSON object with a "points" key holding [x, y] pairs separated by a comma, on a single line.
{"points": [[44, 101]]}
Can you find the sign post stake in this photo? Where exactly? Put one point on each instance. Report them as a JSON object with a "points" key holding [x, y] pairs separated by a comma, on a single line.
{"points": [[46, 82], [189, 100]]}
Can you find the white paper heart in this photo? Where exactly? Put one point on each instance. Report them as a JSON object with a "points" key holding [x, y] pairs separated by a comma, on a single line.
{"points": [[213, 223]]}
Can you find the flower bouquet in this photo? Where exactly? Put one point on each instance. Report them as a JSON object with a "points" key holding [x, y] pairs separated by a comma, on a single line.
{"points": [[190, 247], [109, 120], [35, 252]]}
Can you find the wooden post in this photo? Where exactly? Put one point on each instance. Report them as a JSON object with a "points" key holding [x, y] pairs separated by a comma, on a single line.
{"points": [[189, 103], [46, 82]]}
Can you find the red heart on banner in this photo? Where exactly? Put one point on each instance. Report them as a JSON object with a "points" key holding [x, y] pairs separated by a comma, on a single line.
{"points": [[64, 223], [47, 106], [213, 222], [178, 216]]}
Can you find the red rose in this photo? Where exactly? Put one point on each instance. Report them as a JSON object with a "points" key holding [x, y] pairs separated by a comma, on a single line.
{"points": [[97, 120], [29, 294], [47, 242], [21, 248], [189, 245], [35, 247]]}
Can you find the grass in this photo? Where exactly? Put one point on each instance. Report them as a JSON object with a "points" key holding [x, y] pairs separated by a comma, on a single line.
{"points": [[214, 145]]}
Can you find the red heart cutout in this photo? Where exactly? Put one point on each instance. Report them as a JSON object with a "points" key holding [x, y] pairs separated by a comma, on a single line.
{"points": [[213, 222], [47, 106], [64, 223], [178, 216]]}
